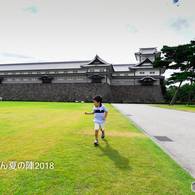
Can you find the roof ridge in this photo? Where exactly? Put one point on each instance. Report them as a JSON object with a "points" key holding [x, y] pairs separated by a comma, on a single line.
{"points": [[43, 63]]}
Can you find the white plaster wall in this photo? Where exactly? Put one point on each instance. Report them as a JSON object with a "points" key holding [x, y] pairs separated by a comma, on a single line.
{"points": [[22, 80], [122, 82], [146, 72], [74, 79], [108, 80]]}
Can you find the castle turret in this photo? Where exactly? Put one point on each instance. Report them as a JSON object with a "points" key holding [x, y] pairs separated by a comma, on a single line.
{"points": [[150, 53]]}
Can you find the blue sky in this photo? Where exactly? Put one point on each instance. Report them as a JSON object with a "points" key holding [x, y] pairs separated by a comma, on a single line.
{"points": [[61, 30]]}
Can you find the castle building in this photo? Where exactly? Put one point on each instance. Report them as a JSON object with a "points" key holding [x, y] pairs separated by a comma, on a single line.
{"points": [[18, 78]]}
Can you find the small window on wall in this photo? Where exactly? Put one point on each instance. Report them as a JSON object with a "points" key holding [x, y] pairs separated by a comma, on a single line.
{"points": [[152, 72], [75, 71], [142, 72], [70, 78], [91, 70]]}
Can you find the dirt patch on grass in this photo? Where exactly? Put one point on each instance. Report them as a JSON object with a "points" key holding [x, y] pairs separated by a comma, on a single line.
{"points": [[115, 133]]}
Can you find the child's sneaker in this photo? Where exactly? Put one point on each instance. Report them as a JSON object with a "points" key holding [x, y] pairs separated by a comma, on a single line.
{"points": [[103, 135], [96, 142]]}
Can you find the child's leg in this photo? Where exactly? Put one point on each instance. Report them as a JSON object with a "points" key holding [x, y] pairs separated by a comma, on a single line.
{"points": [[96, 130], [96, 134], [102, 130], [102, 127]]}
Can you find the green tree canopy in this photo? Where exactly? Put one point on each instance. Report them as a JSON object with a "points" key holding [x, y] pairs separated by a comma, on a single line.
{"points": [[182, 58]]}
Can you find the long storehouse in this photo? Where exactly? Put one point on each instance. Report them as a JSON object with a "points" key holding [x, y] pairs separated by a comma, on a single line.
{"points": [[36, 81]]}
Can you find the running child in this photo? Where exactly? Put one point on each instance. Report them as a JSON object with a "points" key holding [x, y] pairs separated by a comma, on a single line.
{"points": [[101, 114]]}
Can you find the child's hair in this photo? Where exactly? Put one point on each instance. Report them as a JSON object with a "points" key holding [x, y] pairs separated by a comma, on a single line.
{"points": [[98, 98]]}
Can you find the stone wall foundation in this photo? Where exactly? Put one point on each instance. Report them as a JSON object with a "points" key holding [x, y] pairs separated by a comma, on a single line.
{"points": [[80, 92]]}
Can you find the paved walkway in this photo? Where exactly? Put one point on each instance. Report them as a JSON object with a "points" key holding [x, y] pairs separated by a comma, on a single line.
{"points": [[178, 126]]}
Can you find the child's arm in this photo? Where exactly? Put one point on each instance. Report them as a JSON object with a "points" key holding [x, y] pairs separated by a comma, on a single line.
{"points": [[89, 112], [106, 114]]}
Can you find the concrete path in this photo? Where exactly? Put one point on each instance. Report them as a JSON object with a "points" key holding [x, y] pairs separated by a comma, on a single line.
{"points": [[178, 126]]}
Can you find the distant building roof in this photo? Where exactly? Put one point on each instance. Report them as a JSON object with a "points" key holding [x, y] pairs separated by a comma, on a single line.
{"points": [[95, 62], [122, 67], [42, 66]]}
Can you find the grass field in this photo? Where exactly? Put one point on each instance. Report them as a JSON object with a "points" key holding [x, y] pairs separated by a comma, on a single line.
{"points": [[190, 108], [58, 139]]}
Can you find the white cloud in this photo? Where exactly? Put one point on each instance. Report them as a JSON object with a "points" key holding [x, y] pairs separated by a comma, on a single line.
{"points": [[179, 24]]}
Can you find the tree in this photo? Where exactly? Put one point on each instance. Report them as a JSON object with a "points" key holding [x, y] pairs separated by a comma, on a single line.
{"points": [[180, 58], [170, 91], [183, 93], [192, 59]]}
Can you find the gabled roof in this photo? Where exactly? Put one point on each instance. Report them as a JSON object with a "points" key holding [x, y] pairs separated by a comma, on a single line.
{"points": [[147, 60], [97, 61]]}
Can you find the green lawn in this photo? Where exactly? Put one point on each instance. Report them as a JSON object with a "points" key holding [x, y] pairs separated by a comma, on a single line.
{"points": [[60, 134], [190, 108]]}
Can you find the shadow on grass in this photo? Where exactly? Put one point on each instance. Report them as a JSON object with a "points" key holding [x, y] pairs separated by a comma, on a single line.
{"points": [[119, 161]]}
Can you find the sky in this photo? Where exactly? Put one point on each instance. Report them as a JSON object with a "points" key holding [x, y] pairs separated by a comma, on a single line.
{"points": [[67, 30]]}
